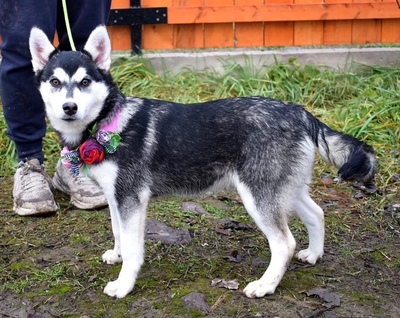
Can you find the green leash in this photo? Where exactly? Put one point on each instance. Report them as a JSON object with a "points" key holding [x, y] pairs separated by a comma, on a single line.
{"points": [[67, 25]]}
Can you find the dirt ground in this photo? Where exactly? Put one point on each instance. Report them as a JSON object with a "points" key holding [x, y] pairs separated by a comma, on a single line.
{"points": [[51, 266]]}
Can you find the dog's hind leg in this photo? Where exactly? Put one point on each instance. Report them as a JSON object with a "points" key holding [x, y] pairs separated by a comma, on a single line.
{"points": [[132, 227], [313, 218], [281, 241]]}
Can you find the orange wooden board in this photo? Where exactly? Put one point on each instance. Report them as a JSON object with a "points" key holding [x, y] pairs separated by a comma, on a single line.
{"points": [[188, 36], [278, 33], [194, 24], [120, 4], [283, 12], [337, 32], [218, 35], [391, 31], [366, 31], [249, 34], [120, 37], [308, 32], [157, 36]]}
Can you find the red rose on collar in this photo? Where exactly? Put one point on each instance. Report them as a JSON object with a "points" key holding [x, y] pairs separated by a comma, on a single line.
{"points": [[91, 152]]}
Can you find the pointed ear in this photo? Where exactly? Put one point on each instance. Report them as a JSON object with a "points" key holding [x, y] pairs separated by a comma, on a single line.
{"points": [[99, 47], [40, 48]]}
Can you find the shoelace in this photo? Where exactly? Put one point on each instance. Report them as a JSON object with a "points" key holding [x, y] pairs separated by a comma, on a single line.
{"points": [[83, 181], [36, 180]]}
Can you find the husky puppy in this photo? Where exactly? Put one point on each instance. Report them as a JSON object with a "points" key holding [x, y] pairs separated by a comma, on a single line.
{"points": [[262, 147]]}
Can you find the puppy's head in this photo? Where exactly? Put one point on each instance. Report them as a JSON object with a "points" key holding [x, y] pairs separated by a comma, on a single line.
{"points": [[73, 85]]}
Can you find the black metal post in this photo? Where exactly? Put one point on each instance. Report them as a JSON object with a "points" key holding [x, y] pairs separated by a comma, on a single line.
{"points": [[136, 17], [136, 31]]}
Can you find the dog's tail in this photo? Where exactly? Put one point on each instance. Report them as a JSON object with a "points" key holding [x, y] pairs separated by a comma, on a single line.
{"points": [[354, 158]]}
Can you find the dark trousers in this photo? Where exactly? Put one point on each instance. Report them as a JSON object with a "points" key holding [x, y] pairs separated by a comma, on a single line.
{"points": [[22, 105]]}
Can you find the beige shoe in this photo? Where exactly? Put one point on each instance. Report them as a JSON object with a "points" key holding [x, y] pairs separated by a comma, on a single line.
{"points": [[32, 193], [85, 193]]}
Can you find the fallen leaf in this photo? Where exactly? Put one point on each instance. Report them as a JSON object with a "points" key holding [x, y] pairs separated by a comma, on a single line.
{"points": [[194, 207], [222, 231], [229, 284], [331, 299], [235, 257], [225, 226]]}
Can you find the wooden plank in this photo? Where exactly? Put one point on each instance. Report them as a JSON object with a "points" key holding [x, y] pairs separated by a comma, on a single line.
{"points": [[249, 34], [366, 31], [188, 36], [120, 4], [391, 31], [156, 3], [221, 33], [283, 12], [158, 36], [278, 33], [308, 32], [344, 23], [120, 35], [337, 32]]}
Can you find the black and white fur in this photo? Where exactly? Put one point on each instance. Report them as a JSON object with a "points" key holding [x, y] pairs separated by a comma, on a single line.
{"points": [[262, 147]]}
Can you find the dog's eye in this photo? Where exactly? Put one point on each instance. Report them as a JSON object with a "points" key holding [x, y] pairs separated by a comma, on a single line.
{"points": [[55, 82], [85, 82]]}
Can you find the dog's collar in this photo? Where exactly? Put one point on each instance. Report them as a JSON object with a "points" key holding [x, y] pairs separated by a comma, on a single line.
{"points": [[112, 125], [93, 151]]}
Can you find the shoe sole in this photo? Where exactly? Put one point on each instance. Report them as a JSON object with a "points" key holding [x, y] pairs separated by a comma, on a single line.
{"points": [[50, 209]]}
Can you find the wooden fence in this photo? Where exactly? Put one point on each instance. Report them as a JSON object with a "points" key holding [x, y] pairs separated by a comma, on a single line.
{"points": [[209, 24]]}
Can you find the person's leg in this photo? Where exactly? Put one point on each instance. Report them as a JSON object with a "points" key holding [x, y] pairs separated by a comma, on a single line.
{"points": [[22, 104], [84, 17]]}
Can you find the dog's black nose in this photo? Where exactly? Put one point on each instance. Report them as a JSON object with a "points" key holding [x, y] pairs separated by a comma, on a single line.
{"points": [[70, 108]]}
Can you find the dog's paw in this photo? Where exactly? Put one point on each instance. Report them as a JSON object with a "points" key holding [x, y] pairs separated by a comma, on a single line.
{"points": [[308, 256], [111, 257], [117, 288], [258, 289]]}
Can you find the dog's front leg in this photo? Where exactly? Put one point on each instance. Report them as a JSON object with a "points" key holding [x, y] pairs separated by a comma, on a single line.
{"points": [[114, 256], [132, 224]]}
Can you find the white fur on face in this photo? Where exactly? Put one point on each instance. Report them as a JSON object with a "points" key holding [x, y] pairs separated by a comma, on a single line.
{"points": [[89, 100]]}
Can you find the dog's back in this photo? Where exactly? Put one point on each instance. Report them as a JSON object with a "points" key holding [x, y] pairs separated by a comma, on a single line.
{"points": [[189, 148]]}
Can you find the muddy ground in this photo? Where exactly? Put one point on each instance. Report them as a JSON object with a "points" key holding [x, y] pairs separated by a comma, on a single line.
{"points": [[51, 266]]}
